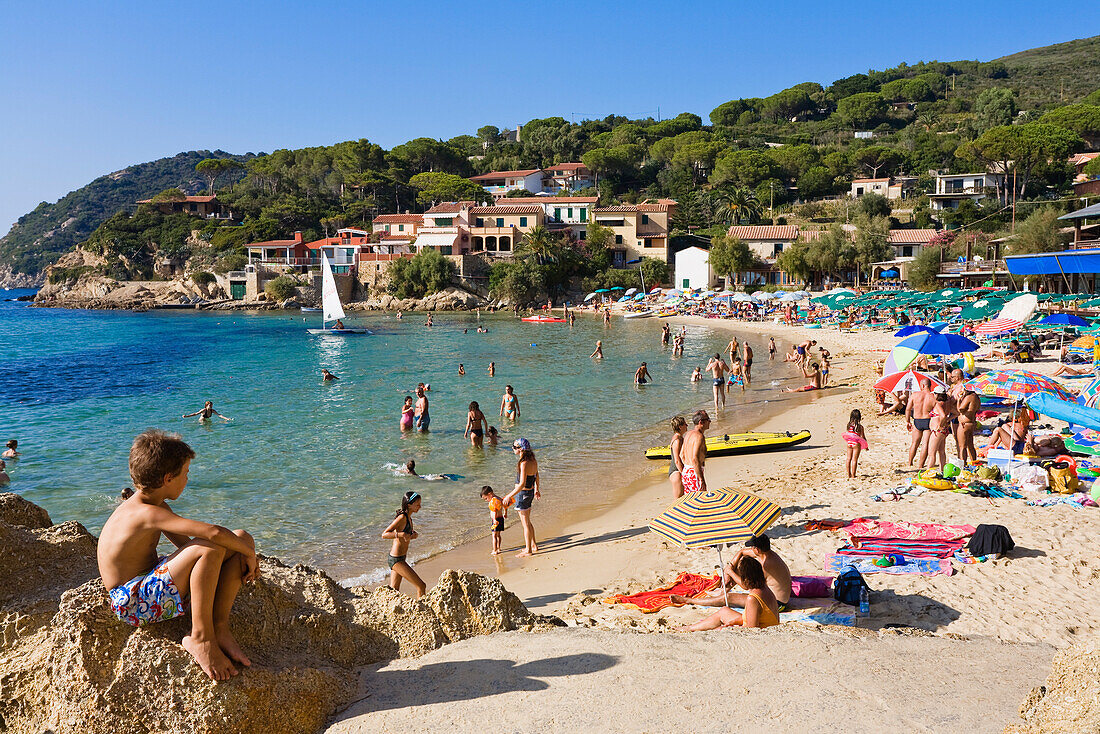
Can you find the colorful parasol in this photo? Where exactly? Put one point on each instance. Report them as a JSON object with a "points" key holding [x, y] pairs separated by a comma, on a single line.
{"points": [[1017, 385], [908, 381], [997, 326]]}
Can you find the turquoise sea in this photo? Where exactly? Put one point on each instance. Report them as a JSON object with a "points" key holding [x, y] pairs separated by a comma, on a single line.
{"points": [[308, 467]]}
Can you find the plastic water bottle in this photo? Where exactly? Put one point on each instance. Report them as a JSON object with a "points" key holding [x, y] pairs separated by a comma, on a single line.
{"points": [[864, 603]]}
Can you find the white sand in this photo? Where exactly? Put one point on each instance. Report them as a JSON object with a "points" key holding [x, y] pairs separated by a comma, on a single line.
{"points": [[1047, 593]]}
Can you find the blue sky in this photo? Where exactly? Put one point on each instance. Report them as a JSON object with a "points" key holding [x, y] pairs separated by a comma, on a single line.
{"points": [[89, 88]]}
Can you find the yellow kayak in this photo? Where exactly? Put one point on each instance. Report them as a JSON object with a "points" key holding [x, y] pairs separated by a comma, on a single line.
{"points": [[740, 443]]}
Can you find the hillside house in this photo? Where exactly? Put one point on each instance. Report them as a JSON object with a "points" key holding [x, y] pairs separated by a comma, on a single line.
{"points": [[207, 207], [499, 183], [641, 230], [954, 188]]}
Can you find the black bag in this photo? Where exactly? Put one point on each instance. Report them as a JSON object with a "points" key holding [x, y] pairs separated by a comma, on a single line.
{"points": [[990, 539], [847, 586]]}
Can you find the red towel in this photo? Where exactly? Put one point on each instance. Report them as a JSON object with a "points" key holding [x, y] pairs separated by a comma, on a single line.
{"points": [[686, 584]]}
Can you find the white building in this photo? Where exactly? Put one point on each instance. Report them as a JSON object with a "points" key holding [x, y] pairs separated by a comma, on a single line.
{"points": [[765, 240], [954, 188], [693, 269], [499, 183]]}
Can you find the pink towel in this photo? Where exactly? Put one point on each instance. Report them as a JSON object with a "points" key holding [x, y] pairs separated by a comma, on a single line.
{"points": [[812, 587], [865, 528]]}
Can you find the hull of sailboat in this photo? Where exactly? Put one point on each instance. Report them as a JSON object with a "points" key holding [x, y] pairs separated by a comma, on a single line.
{"points": [[338, 332]]}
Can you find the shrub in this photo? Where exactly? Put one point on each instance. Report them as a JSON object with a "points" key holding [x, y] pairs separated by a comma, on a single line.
{"points": [[427, 272], [62, 275], [202, 277], [232, 261], [281, 288]]}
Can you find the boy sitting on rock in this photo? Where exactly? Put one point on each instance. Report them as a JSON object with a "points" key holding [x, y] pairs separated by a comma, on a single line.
{"points": [[205, 573]]}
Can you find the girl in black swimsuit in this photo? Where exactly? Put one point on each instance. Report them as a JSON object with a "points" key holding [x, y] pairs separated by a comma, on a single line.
{"points": [[401, 532], [476, 425]]}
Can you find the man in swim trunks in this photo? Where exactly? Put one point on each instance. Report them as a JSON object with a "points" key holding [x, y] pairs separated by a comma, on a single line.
{"points": [[776, 572], [918, 415], [746, 370], [968, 405], [732, 349], [641, 375], [420, 412], [693, 454], [204, 573], [718, 369]]}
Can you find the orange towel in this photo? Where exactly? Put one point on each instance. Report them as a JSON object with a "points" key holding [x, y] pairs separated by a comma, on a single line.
{"points": [[686, 584]]}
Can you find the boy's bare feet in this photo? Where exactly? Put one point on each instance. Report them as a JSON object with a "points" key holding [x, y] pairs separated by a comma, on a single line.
{"points": [[523, 553], [495, 553], [229, 646], [210, 658]]}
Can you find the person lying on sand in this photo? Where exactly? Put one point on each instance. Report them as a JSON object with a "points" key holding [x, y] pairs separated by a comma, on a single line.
{"points": [[761, 607], [204, 573], [776, 573]]}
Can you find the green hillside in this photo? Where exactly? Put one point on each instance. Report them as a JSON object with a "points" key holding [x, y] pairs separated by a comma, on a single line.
{"points": [[776, 156], [40, 236]]}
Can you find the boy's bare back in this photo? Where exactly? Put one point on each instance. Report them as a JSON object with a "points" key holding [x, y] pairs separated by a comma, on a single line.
{"points": [[128, 543]]}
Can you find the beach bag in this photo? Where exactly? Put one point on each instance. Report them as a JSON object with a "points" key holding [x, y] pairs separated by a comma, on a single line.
{"points": [[990, 539], [1063, 477], [847, 586], [991, 473]]}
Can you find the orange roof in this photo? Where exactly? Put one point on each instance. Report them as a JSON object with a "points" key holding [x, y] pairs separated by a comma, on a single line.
{"points": [[502, 174], [186, 199], [649, 205], [450, 207], [1079, 158], [764, 232], [398, 219], [275, 243], [548, 200], [911, 236], [870, 180], [565, 167], [526, 209]]}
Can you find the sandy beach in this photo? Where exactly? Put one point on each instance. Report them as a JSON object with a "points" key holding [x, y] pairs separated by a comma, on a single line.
{"points": [[1011, 613]]}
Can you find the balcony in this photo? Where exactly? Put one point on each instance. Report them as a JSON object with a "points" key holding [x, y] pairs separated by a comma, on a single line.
{"points": [[972, 266], [485, 231], [452, 229]]}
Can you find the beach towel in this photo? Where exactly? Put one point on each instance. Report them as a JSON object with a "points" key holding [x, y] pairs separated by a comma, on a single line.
{"points": [[908, 548], [686, 584], [836, 562], [830, 612], [866, 528], [812, 587]]}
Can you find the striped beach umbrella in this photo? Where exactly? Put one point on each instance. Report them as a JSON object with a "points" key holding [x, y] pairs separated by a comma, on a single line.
{"points": [[908, 381], [997, 326], [715, 517], [1091, 393]]}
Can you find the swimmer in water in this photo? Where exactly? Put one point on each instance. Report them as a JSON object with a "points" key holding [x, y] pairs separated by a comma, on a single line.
{"points": [[696, 375], [476, 425], [398, 314], [5, 478], [10, 452], [206, 413], [429, 321], [492, 369], [509, 404], [410, 468], [461, 370], [598, 354], [327, 376], [493, 435], [642, 376]]}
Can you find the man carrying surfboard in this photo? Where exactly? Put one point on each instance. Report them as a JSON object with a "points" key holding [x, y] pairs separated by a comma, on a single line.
{"points": [[693, 454]]}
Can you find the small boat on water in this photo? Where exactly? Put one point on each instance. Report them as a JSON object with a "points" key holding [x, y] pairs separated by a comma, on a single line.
{"points": [[332, 309], [544, 319], [638, 314]]}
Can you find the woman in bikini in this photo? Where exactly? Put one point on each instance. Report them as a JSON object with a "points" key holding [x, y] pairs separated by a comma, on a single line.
{"points": [[675, 464], [526, 491], [940, 427], [476, 425], [401, 532], [761, 607], [407, 414], [509, 404], [856, 439], [206, 413], [1017, 437]]}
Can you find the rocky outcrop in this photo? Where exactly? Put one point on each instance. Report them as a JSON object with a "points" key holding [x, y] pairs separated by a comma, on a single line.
{"points": [[10, 280], [1070, 700], [68, 665], [448, 299]]}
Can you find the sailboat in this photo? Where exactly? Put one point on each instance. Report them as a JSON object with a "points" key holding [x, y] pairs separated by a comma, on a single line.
{"points": [[331, 308]]}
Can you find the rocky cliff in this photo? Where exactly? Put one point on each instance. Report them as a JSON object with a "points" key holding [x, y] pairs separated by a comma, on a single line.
{"points": [[68, 665], [1070, 700]]}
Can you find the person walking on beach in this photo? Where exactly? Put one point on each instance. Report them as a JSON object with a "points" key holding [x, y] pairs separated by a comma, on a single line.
{"points": [[598, 354], [498, 513], [607, 317], [693, 454], [939, 428], [407, 414], [206, 413], [642, 376], [476, 425], [509, 404], [526, 491], [732, 348], [746, 371], [401, 532], [737, 374], [771, 347], [718, 369], [666, 335], [675, 463], [420, 412], [918, 413], [856, 439], [968, 405]]}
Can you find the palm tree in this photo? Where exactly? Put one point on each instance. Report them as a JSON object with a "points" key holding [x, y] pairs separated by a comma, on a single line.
{"points": [[738, 205], [539, 243]]}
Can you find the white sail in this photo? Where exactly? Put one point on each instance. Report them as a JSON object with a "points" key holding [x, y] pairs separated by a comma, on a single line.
{"points": [[330, 299]]}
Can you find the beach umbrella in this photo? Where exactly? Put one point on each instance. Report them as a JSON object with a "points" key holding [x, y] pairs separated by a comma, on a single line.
{"points": [[1069, 411], [589, 297], [910, 330], [617, 288], [624, 298], [631, 292], [725, 294], [655, 290], [1064, 319], [996, 326], [714, 518], [1090, 393], [789, 298], [942, 344], [639, 297], [1020, 308], [603, 290], [1017, 385], [908, 381]]}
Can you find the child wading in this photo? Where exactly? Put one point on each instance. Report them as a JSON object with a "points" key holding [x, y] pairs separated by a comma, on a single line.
{"points": [[856, 440], [498, 512], [401, 532], [203, 576]]}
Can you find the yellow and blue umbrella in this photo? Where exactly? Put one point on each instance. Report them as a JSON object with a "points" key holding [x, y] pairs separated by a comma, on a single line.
{"points": [[715, 517]]}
